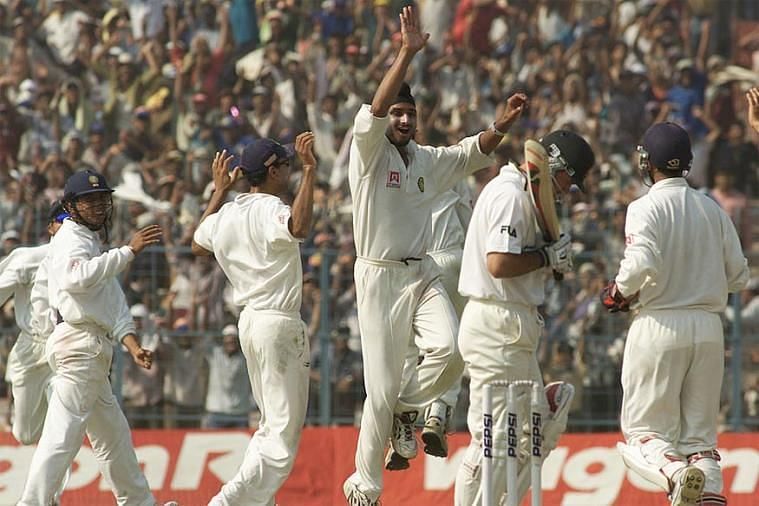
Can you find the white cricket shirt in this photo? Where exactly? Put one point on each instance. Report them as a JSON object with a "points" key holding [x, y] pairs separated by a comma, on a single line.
{"points": [[503, 221], [17, 272], [254, 247], [43, 317], [392, 203], [682, 250], [82, 280], [450, 218]]}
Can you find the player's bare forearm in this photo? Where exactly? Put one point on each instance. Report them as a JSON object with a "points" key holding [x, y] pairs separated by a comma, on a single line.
{"points": [[391, 83], [223, 180], [490, 138], [131, 342], [214, 204], [303, 206], [510, 265], [141, 356], [412, 41]]}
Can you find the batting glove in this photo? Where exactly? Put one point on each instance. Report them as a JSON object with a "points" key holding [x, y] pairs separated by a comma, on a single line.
{"points": [[613, 300], [558, 255]]}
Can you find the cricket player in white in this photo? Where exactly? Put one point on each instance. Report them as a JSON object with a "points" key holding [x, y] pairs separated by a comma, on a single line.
{"points": [[394, 183], [256, 240], [92, 313], [28, 371], [450, 218], [682, 258], [503, 274]]}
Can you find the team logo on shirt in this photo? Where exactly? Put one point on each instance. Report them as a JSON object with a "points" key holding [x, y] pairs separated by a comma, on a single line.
{"points": [[393, 179], [420, 184], [509, 230]]}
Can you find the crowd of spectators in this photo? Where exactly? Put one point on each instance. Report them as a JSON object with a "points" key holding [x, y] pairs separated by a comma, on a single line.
{"points": [[146, 91]]}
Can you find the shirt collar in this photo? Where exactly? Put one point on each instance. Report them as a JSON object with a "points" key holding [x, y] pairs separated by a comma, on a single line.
{"points": [[82, 229], [670, 182], [509, 167]]}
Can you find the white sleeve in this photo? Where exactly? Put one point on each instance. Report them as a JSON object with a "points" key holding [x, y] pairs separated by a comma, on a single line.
{"points": [[277, 225], [736, 265], [42, 318], [451, 163], [642, 257], [124, 323], [203, 235], [369, 134], [464, 203], [507, 225], [79, 272], [9, 276]]}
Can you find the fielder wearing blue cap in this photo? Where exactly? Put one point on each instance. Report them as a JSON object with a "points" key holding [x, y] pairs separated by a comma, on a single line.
{"points": [[682, 258], [255, 238], [90, 312], [261, 156], [665, 148], [87, 199]]}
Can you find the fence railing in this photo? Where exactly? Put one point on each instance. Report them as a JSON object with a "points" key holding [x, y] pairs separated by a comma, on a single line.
{"points": [[333, 403]]}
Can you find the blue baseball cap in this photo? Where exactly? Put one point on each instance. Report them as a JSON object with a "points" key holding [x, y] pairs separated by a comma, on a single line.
{"points": [[83, 183], [262, 154], [668, 146]]}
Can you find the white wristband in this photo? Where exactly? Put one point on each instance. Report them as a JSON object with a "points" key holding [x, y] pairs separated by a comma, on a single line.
{"points": [[496, 131]]}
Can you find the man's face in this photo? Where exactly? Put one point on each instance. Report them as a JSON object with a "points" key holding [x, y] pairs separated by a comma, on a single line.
{"points": [[96, 142], [280, 172], [562, 182], [230, 345], [94, 207], [402, 126], [72, 94], [140, 125]]}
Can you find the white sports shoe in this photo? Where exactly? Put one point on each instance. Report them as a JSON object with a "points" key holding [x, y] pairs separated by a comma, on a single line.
{"points": [[403, 439], [355, 497], [688, 487]]}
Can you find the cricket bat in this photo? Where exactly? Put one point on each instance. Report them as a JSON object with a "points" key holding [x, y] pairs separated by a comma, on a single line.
{"points": [[541, 192]]}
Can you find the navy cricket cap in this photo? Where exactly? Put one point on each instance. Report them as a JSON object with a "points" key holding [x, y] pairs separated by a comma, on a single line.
{"points": [[668, 147], [262, 154], [83, 183], [567, 150]]}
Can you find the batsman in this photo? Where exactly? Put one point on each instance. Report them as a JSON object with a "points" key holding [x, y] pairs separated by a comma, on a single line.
{"points": [[504, 268]]}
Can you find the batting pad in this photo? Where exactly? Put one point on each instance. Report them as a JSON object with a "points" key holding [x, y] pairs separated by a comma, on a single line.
{"points": [[634, 459]]}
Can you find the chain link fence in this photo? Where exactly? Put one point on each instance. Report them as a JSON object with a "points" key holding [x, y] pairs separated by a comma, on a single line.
{"points": [[182, 307]]}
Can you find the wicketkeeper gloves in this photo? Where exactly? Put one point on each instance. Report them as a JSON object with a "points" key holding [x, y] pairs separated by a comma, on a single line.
{"points": [[613, 300]]}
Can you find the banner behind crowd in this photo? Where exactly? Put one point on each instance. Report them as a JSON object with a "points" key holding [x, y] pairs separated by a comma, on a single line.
{"points": [[189, 467]]}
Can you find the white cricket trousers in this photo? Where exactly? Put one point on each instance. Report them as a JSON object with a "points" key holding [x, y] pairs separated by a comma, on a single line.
{"points": [[398, 303], [29, 375], [671, 382], [82, 401], [448, 262], [277, 352], [498, 342]]}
